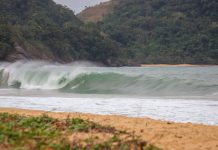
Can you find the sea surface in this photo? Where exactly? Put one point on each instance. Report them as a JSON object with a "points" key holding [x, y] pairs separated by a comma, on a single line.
{"points": [[171, 93]]}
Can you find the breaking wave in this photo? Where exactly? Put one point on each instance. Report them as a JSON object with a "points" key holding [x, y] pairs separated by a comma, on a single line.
{"points": [[87, 78]]}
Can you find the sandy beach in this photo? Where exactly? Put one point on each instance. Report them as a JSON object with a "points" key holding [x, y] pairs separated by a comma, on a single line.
{"points": [[166, 135]]}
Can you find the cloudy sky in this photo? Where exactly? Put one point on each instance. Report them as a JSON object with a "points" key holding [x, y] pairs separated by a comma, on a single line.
{"points": [[79, 5]]}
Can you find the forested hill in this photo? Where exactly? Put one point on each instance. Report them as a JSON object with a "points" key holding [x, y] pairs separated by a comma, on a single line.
{"points": [[133, 32], [165, 31], [41, 29]]}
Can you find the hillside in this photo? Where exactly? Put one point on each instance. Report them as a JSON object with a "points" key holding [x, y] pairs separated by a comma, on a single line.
{"points": [[96, 13], [41, 29], [130, 32], [165, 31]]}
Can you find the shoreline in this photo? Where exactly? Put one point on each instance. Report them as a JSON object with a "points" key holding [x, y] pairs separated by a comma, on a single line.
{"points": [[175, 65], [166, 135]]}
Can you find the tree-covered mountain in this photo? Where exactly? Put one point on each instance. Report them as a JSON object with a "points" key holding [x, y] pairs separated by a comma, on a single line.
{"points": [[41, 29], [165, 31], [133, 32]]}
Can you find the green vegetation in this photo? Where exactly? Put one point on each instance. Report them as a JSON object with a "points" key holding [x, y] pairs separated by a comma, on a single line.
{"points": [[45, 133], [134, 32], [44, 30], [165, 31], [6, 45]]}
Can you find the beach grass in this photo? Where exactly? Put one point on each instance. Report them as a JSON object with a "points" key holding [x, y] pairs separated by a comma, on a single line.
{"points": [[45, 133]]}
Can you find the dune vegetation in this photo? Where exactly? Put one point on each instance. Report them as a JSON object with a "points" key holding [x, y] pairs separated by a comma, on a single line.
{"points": [[45, 133]]}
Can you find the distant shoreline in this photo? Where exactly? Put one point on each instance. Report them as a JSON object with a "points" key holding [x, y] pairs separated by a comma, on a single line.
{"points": [[166, 135], [174, 65]]}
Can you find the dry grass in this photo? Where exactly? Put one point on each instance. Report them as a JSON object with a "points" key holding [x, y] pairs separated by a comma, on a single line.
{"points": [[96, 13]]}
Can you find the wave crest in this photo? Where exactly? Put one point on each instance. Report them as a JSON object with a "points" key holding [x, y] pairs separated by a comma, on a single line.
{"points": [[91, 79]]}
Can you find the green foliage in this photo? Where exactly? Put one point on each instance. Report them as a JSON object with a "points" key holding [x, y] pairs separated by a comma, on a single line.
{"points": [[30, 133], [135, 32], [6, 44], [45, 133], [47, 30], [165, 31]]}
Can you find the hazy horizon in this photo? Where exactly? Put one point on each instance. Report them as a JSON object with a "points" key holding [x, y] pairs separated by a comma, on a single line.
{"points": [[78, 5]]}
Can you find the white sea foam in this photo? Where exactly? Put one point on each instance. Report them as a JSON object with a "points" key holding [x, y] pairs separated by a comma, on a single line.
{"points": [[179, 110], [184, 94]]}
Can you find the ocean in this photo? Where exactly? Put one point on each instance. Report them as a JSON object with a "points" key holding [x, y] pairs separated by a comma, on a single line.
{"points": [[171, 93]]}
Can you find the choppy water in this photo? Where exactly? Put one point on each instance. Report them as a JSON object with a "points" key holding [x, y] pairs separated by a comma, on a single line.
{"points": [[184, 94]]}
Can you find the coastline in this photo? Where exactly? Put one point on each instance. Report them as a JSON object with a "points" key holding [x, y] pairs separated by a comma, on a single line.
{"points": [[174, 65], [166, 135]]}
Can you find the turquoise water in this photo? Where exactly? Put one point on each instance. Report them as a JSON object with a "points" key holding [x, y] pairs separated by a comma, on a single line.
{"points": [[187, 94]]}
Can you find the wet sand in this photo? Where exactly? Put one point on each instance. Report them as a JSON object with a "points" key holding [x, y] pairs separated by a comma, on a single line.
{"points": [[166, 135]]}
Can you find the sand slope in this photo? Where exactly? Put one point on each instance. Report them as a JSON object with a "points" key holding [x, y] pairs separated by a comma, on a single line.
{"points": [[166, 135]]}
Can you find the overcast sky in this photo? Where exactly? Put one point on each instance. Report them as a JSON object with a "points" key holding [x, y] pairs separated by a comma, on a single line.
{"points": [[79, 5]]}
